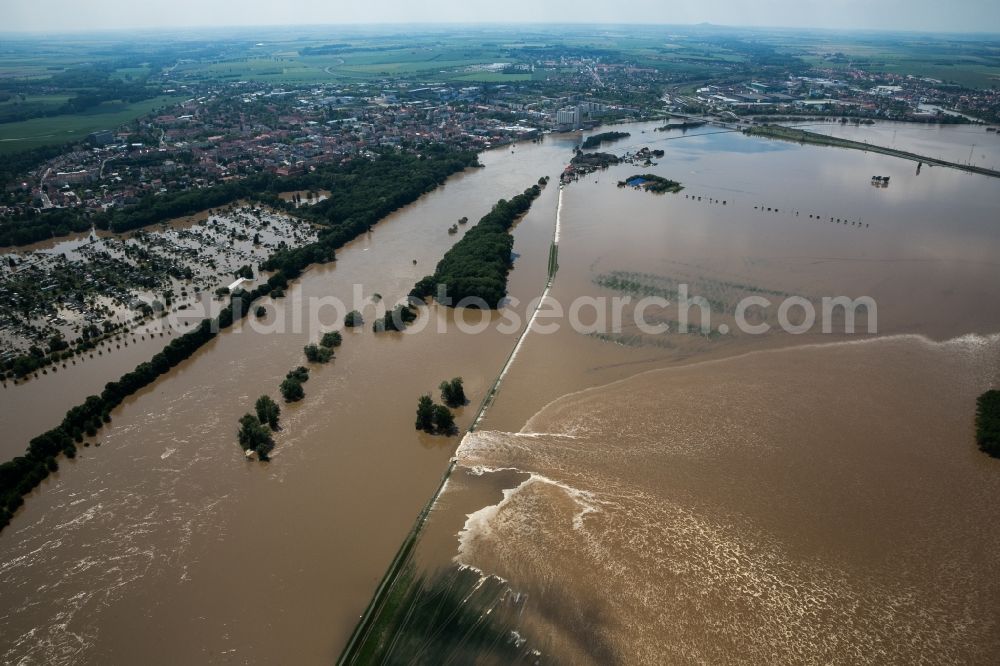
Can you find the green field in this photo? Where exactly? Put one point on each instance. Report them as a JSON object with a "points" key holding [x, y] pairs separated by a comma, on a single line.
{"points": [[975, 64], [387, 60], [63, 129]]}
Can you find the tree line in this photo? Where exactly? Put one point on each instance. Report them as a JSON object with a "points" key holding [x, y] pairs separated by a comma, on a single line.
{"points": [[255, 433], [476, 266]]}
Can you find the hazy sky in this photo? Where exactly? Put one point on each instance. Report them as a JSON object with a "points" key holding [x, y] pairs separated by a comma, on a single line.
{"points": [[929, 15]]}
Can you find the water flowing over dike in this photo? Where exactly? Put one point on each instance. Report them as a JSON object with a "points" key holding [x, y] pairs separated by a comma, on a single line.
{"points": [[809, 503], [370, 618], [716, 531]]}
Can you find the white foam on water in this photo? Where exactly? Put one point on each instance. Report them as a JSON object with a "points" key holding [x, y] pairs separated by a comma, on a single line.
{"points": [[702, 569], [478, 525]]}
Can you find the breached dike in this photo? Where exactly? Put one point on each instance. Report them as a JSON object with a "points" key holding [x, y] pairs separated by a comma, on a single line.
{"points": [[718, 549], [378, 612]]}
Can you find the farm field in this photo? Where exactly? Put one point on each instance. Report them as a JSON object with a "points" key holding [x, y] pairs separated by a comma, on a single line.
{"points": [[37, 132]]}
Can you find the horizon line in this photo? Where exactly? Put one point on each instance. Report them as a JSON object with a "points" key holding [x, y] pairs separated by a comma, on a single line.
{"points": [[481, 24]]}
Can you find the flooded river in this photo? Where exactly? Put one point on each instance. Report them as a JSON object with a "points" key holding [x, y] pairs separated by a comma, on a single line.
{"points": [[716, 497], [165, 531]]}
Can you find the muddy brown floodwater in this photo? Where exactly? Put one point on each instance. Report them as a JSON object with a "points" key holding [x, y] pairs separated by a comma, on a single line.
{"points": [[662, 498], [736, 498], [165, 546]]}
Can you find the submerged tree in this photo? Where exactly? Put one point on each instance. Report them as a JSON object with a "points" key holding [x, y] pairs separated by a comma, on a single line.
{"points": [[268, 411], [353, 319], [444, 421], [301, 374], [317, 354], [253, 436], [452, 393], [331, 339], [291, 389], [425, 414]]}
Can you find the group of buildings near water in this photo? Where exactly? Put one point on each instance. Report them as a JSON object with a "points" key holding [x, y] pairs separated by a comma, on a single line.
{"points": [[849, 92]]}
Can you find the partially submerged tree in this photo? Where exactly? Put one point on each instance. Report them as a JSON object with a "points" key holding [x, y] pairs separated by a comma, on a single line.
{"points": [[317, 354], [291, 390], [268, 411], [452, 393], [444, 421], [331, 339], [425, 414], [253, 436], [353, 319]]}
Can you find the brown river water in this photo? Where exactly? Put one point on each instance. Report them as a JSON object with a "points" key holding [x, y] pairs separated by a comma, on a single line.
{"points": [[773, 498], [667, 498]]}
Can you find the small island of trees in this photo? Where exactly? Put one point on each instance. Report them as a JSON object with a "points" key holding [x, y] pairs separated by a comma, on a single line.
{"points": [[434, 419], [255, 437], [396, 319], [291, 387], [476, 266], [603, 137], [592, 161], [453, 392], [988, 422], [317, 354], [438, 419], [323, 352], [651, 183], [331, 339], [256, 431]]}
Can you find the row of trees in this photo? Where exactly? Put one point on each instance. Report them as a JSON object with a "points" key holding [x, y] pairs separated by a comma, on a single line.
{"points": [[22, 474], [476, 267], [291, 390], [36, 226]]}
